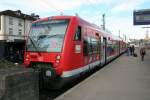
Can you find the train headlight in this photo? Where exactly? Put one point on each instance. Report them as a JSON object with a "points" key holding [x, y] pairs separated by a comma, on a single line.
{"points": [[48, 73], [27, 58], [58, 57], [57, 61]]}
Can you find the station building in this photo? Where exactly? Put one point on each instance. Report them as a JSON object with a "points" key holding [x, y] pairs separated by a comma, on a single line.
{"points": [[14, 27]]}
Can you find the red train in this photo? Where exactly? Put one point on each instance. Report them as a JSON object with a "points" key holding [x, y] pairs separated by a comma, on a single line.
{"points": [[65, 47]]}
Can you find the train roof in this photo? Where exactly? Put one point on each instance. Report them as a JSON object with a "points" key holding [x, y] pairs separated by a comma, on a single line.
{"points": [[85, 23], [104, 32], [82, 21]]}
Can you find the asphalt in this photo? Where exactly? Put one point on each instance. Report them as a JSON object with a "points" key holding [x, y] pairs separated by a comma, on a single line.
{"points": [[126, 78]]}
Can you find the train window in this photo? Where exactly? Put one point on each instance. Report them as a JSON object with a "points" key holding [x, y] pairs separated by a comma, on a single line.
{"points": [[85, 48], [95, 45], [78, 34], [111, 47], [89, 45]]}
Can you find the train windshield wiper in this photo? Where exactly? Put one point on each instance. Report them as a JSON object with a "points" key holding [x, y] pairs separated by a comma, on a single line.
{"points": [[33, 43], [49, 36]]}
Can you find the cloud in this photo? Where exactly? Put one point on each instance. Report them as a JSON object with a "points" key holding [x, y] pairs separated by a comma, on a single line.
{"points": [[127, 5], [116, 23], [45, 6], [58, 5], [126, 27], [113, 20], [62, 5]]}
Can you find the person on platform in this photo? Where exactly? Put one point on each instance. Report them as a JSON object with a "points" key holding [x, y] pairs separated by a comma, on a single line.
{"points": [[133, 49], [142, 53], [130, 49]]}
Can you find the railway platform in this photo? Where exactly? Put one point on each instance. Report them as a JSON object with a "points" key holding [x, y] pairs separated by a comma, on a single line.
{"points": [[126, 78]]}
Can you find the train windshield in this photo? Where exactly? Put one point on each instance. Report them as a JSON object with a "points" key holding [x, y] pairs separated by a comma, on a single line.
{"points": [[47, 36]]}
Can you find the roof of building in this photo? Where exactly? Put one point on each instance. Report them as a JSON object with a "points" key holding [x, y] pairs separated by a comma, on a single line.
{"points": [[19, 14]]}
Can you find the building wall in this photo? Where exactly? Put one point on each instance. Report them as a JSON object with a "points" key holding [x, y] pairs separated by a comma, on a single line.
{"points": [[27, 27], [2, 49], [2, 27], [0, 23], [13, 28]]}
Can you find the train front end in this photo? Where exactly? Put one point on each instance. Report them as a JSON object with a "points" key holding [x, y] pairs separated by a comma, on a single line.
{"points": [[44, 46]]}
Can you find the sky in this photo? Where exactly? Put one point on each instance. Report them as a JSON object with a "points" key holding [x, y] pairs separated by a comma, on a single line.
{"points": [[118, 13]]}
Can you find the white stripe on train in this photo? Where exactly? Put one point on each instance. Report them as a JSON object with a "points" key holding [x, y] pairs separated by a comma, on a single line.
{"points": [[80, 70], [84, 68]]}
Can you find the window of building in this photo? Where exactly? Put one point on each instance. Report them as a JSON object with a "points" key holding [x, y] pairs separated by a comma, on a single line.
{"points": [[10, 20], [20, 22], [10, 31], [78, 34], [20, 31]]}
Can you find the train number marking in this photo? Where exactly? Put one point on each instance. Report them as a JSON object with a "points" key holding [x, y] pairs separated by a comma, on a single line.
{"points": [[77, 48]]}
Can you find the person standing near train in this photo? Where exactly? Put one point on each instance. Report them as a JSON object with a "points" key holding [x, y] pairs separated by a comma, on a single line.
{"points": [[142, 53], [133, 49], [130, 50]]}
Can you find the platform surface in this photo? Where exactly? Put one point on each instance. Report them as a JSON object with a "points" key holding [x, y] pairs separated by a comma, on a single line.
{"points": [[126, 78]]}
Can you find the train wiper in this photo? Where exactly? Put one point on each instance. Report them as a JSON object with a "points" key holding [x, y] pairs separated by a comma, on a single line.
{"points": [[36, 49], [48, 36], [33, 43], [53, 35]]}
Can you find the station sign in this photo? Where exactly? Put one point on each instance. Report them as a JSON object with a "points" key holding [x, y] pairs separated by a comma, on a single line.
{"points": [[141, 17]]}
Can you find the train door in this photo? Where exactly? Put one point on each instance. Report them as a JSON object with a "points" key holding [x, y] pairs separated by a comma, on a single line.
{"points": [[100, 48], [119, 48], [98, 51], [103, 50]]}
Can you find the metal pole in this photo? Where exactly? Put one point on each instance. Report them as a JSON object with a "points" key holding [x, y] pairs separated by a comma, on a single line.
{"points": [[103, 21], [119, 33]]}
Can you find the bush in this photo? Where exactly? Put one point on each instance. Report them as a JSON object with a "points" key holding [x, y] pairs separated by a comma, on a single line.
{"points": [[7, 64]]}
